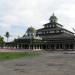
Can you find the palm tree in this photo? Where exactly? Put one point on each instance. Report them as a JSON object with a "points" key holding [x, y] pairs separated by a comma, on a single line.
{"points": [[7, 35]]}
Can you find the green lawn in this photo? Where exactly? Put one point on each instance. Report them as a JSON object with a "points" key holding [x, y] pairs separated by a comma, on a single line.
{"points": [[15, 55]]}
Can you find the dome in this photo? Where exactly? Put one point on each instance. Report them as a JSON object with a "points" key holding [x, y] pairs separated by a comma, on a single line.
{"points": [[53, 18], [30, 30]]}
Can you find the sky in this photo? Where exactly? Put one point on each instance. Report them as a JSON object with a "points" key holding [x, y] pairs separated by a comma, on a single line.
{"points": [[17, 15]]}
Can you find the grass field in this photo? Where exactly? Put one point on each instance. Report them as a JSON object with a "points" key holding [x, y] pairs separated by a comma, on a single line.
{"points": [[15, 55]]}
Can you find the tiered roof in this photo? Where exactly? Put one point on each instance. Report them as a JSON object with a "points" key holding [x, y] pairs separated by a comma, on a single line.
{"points": [[53, 25]]}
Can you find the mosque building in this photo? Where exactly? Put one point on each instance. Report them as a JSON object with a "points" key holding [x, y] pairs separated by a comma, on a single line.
{"points": [[51, 37]]}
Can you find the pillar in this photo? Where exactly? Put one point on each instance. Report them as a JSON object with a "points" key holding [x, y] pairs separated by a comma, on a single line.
{"points": [[55, 46], [29, 47], [21, 46], [17, 46], [39, 47]]}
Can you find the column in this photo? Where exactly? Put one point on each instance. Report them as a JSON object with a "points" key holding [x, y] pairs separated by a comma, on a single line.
{"points": [[69, 46], [55, 46], [46, 46], [59, 45], [29, 47], [21, 46], [39, 47], [33, 47], [74, 46], [49, 46], [64, 46], [17, 46]]}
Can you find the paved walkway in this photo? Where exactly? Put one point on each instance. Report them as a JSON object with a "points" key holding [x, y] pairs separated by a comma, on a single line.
{"points": [[48, 63], [14, 50]]}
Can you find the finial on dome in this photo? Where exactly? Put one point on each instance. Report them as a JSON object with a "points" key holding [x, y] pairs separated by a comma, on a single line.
{"points": [[53, 13]]}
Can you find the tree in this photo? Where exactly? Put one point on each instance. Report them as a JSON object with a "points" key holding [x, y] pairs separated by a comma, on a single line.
{"points": [[7, 35], [1, 41]]}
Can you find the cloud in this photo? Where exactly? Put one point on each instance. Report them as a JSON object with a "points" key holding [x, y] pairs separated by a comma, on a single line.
{"points": [[66, 14], [17, 14]]}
